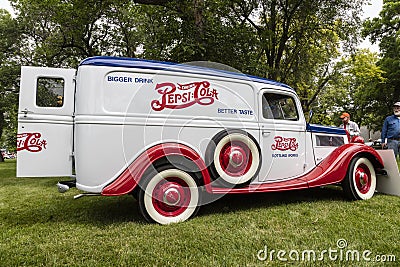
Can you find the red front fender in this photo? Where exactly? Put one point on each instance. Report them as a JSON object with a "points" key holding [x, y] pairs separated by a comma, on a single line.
{"points": [[130, 177], [333, 168]]}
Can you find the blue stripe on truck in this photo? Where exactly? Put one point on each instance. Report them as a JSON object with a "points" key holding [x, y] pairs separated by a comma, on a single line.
{"points": [[169, 66], [325, 129]]}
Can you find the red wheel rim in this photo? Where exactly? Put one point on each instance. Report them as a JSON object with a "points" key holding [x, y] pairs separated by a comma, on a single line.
{"points": [[171, 197], [363, 178], [235, 158]]}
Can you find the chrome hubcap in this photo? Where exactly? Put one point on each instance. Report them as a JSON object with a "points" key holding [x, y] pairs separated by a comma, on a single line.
{"points": [[171, 196], [236, 158]]}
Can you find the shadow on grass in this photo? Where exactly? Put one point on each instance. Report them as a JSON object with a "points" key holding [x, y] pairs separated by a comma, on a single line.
{"points": [[97, 211], [239, 202], [102, 211]]}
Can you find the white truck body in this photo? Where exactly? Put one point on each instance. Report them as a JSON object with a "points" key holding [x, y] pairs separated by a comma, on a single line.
{"points": [[103, 116]]}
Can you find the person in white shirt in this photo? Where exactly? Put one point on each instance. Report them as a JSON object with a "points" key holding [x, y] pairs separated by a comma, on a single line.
{"points": [[349, 125]]}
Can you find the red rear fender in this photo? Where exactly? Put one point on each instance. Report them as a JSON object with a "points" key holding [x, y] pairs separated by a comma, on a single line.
{"points": [[130, 177]]}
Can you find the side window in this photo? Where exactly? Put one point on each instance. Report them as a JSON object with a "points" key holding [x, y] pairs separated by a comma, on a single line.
{"points": [[325, 140], [50, 92], [279, 107]]}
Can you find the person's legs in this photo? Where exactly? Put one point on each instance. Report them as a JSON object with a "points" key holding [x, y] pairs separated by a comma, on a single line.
{"points": [[394, 145]]}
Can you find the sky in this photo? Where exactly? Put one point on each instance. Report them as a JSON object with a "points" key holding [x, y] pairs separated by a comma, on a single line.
{"points": [[370, 11], [5, 5]]}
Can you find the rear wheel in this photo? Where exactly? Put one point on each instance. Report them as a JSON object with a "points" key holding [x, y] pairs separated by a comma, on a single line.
{"points": [[360, 181], [169, 195]]}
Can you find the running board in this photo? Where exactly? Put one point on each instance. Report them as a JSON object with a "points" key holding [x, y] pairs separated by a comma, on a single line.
{"points": [[86, 195]]}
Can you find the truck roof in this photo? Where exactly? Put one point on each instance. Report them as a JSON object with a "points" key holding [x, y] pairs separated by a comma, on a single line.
{"points": [[176, 67]]}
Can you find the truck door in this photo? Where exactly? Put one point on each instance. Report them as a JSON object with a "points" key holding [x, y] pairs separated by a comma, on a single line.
{"points": [[45, 122], [283, 130]]}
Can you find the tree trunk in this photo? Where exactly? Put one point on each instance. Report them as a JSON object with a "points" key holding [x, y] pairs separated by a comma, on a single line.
{"points": [[198, 6]]}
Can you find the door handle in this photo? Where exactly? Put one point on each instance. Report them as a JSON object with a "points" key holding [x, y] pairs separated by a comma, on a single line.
{"points": [[266, 133], [26, 112]]}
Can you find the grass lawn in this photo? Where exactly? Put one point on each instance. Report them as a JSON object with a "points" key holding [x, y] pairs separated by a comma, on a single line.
{"points": [[41, 227]]}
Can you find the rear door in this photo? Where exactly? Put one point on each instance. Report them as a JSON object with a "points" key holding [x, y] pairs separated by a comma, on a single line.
{"points": [[45, 122]]}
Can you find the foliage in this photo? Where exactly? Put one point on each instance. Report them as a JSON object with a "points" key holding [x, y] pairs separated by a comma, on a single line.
{"points": [[61, 33], [355, 91], [367, 78], [9, 138], [273, 39], [386, 30], [9, 71]]}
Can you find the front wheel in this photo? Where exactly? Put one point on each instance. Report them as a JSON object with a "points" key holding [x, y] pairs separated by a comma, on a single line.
{"points": [[169, 196], [360, 181]]}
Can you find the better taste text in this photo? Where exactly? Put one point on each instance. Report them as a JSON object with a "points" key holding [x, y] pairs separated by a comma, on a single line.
{"points": [[235, 111]]}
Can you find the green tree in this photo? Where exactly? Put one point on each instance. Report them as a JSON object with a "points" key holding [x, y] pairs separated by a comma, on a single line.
{"points": [[9, 70], [367, 79], [269, 38], [354, 89], [61, 33], [386, 30]]}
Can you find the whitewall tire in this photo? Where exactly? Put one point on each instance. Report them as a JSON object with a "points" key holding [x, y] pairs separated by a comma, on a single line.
{"points": [[360, 182], [236, 158], [169, 196]]}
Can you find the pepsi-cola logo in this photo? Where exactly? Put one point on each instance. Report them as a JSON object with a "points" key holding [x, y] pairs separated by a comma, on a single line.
{"points": [[31, 142], [283, 144], [179, 96]]}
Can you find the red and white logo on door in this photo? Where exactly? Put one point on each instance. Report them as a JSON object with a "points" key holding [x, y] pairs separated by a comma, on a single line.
{"points": [[283, 144], [32, 142]]}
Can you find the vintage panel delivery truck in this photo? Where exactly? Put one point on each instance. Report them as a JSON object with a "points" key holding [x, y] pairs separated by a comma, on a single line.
{"points": [[169, 133]]}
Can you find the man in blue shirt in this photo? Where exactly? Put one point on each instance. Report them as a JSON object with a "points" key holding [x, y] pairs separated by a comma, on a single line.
{"points": [[391, 130]]}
